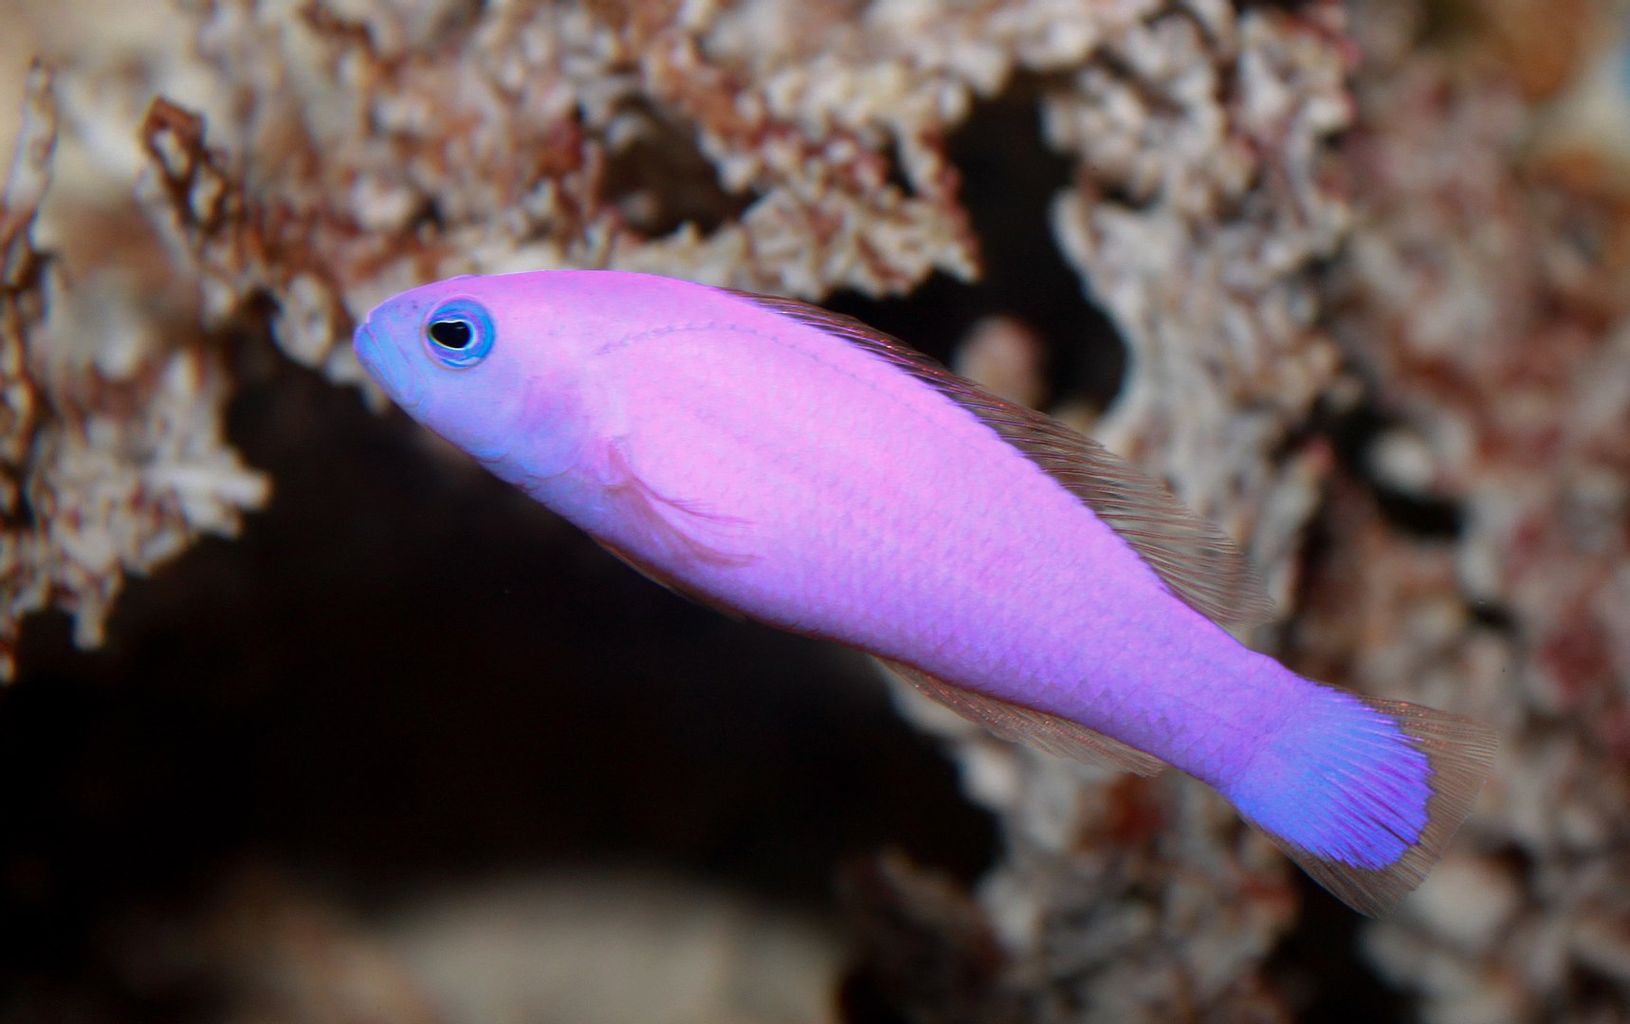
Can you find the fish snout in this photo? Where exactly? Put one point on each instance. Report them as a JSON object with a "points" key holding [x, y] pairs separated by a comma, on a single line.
{"points": [[386, 365], [362, 341]]}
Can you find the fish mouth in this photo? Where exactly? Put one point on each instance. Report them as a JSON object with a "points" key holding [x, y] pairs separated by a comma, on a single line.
{"points": [[387, 367]]}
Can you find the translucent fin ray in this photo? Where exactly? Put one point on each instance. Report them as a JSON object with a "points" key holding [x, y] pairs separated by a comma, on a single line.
{"points": [[687, 530], [1019, 724], [1194, 559], [1459, 753], [668, 583]]}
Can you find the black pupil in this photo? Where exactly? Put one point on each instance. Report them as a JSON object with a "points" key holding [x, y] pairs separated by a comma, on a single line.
{"points": [[451, 333]]}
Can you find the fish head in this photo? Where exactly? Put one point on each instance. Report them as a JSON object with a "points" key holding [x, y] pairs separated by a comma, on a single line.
{"points": [[478, 360]]}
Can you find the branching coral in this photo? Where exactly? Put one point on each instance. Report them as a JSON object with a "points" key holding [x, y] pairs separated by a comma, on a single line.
{"points": [[316, 157], [1486, 299], [1202, 204], [367, 154], [112, 452], [22, 307], [422, 142]]}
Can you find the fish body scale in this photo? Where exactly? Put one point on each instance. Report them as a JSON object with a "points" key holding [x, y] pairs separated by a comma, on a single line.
{"points": [[878, 513]]}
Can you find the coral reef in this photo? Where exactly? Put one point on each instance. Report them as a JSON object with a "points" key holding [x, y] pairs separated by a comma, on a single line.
{"points": [[1487, 300], [813, 142], [562, 946], [112, 449], [364, 156], [1370, 262], [1202, 204], [566, 947]]}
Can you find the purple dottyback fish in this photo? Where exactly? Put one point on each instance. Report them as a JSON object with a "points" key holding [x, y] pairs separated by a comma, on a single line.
{"points": [[798, 468]]}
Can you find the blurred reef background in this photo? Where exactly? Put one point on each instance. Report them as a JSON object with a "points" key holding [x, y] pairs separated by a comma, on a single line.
{"points": [[311, 721]]}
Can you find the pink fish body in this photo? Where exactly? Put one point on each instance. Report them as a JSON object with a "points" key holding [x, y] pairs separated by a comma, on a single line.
{"points": [[797, 468]]}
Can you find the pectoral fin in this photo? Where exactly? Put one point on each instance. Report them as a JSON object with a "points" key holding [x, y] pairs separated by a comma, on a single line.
{"points": [[684, 530]]}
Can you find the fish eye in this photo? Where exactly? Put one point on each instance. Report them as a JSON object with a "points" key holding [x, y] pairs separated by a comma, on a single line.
{"points": [[453, 334], [459, 333]]}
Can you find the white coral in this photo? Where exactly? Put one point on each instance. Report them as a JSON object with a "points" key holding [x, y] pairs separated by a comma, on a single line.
{"points": [[114, 455]]}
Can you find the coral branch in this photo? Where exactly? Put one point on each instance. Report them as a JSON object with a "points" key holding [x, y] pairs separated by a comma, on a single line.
{"points": [[111, 444]]}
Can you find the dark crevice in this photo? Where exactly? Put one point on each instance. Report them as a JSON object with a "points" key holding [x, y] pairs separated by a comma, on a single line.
{"points": [[897, 177], [1433, 518], [1496, 617], [300, 697], [1321, 970], [427, 219], [1353, 434], [1009, 180], [661, 180]]}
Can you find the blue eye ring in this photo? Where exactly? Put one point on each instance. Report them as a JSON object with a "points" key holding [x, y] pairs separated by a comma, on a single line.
{"points": [[459, 333]]}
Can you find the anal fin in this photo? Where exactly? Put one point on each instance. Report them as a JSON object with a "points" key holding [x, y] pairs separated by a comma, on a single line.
{"points": [[669, 583], [1019, 724]]}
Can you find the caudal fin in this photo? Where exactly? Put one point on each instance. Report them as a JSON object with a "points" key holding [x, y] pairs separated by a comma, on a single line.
{"points": [[1365, 794]]}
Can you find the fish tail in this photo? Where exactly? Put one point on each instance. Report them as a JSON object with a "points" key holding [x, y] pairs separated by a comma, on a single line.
{"points": [[1364, 794]]}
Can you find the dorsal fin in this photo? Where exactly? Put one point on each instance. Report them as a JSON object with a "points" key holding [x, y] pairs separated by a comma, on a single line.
{"points": [[1019, 724], [1196, 560]]}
